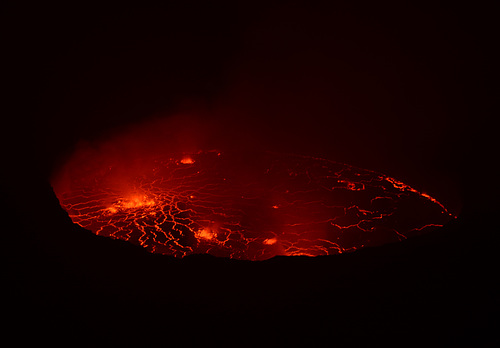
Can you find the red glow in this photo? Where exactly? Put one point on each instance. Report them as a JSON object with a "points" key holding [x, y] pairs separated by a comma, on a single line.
{"points": [[187, 160], [242, 205], [270, 241], [205, 233]]}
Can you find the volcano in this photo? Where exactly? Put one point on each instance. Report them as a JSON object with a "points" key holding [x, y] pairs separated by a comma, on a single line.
{"points": [[244, 205]]}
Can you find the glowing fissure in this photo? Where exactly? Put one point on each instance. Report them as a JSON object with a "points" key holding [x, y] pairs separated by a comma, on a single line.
{"points": [[249, 206]]}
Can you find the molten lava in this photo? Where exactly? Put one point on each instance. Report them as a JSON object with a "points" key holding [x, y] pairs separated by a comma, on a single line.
{"points": [[249, 206]]}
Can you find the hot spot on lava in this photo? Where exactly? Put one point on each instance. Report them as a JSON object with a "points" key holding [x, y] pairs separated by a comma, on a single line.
{"points": [[250, 206]]}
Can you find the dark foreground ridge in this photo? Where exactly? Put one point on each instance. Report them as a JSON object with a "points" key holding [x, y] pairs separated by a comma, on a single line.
{"points": [[402, 87], [71, 286]]}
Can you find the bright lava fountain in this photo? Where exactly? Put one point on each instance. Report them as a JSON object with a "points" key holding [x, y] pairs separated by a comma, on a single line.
{"points": [[250, 206]]}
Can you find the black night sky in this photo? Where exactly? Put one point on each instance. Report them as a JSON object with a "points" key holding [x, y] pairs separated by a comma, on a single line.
{"points": [[401, 88]]}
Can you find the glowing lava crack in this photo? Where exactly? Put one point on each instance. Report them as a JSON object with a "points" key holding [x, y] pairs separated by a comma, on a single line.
{"points": [[247, 206]]}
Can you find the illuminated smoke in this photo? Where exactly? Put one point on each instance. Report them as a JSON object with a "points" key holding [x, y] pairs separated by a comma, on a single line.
{"points": [[249, 205]]}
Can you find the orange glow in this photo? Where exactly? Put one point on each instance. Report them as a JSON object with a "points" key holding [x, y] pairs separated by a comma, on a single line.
{"points": [[244, 208], [187, 160], [403, 186], [270, 241], [205, 233], [113, 210], [132, 202], [137, 202]]}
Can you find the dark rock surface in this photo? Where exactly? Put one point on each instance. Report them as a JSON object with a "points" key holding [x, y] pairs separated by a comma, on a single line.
{"points": [[404, 88], [63, 280]]}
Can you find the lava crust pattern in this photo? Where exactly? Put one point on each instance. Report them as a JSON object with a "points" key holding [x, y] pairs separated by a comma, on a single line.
{"points": [[248, 206]]}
